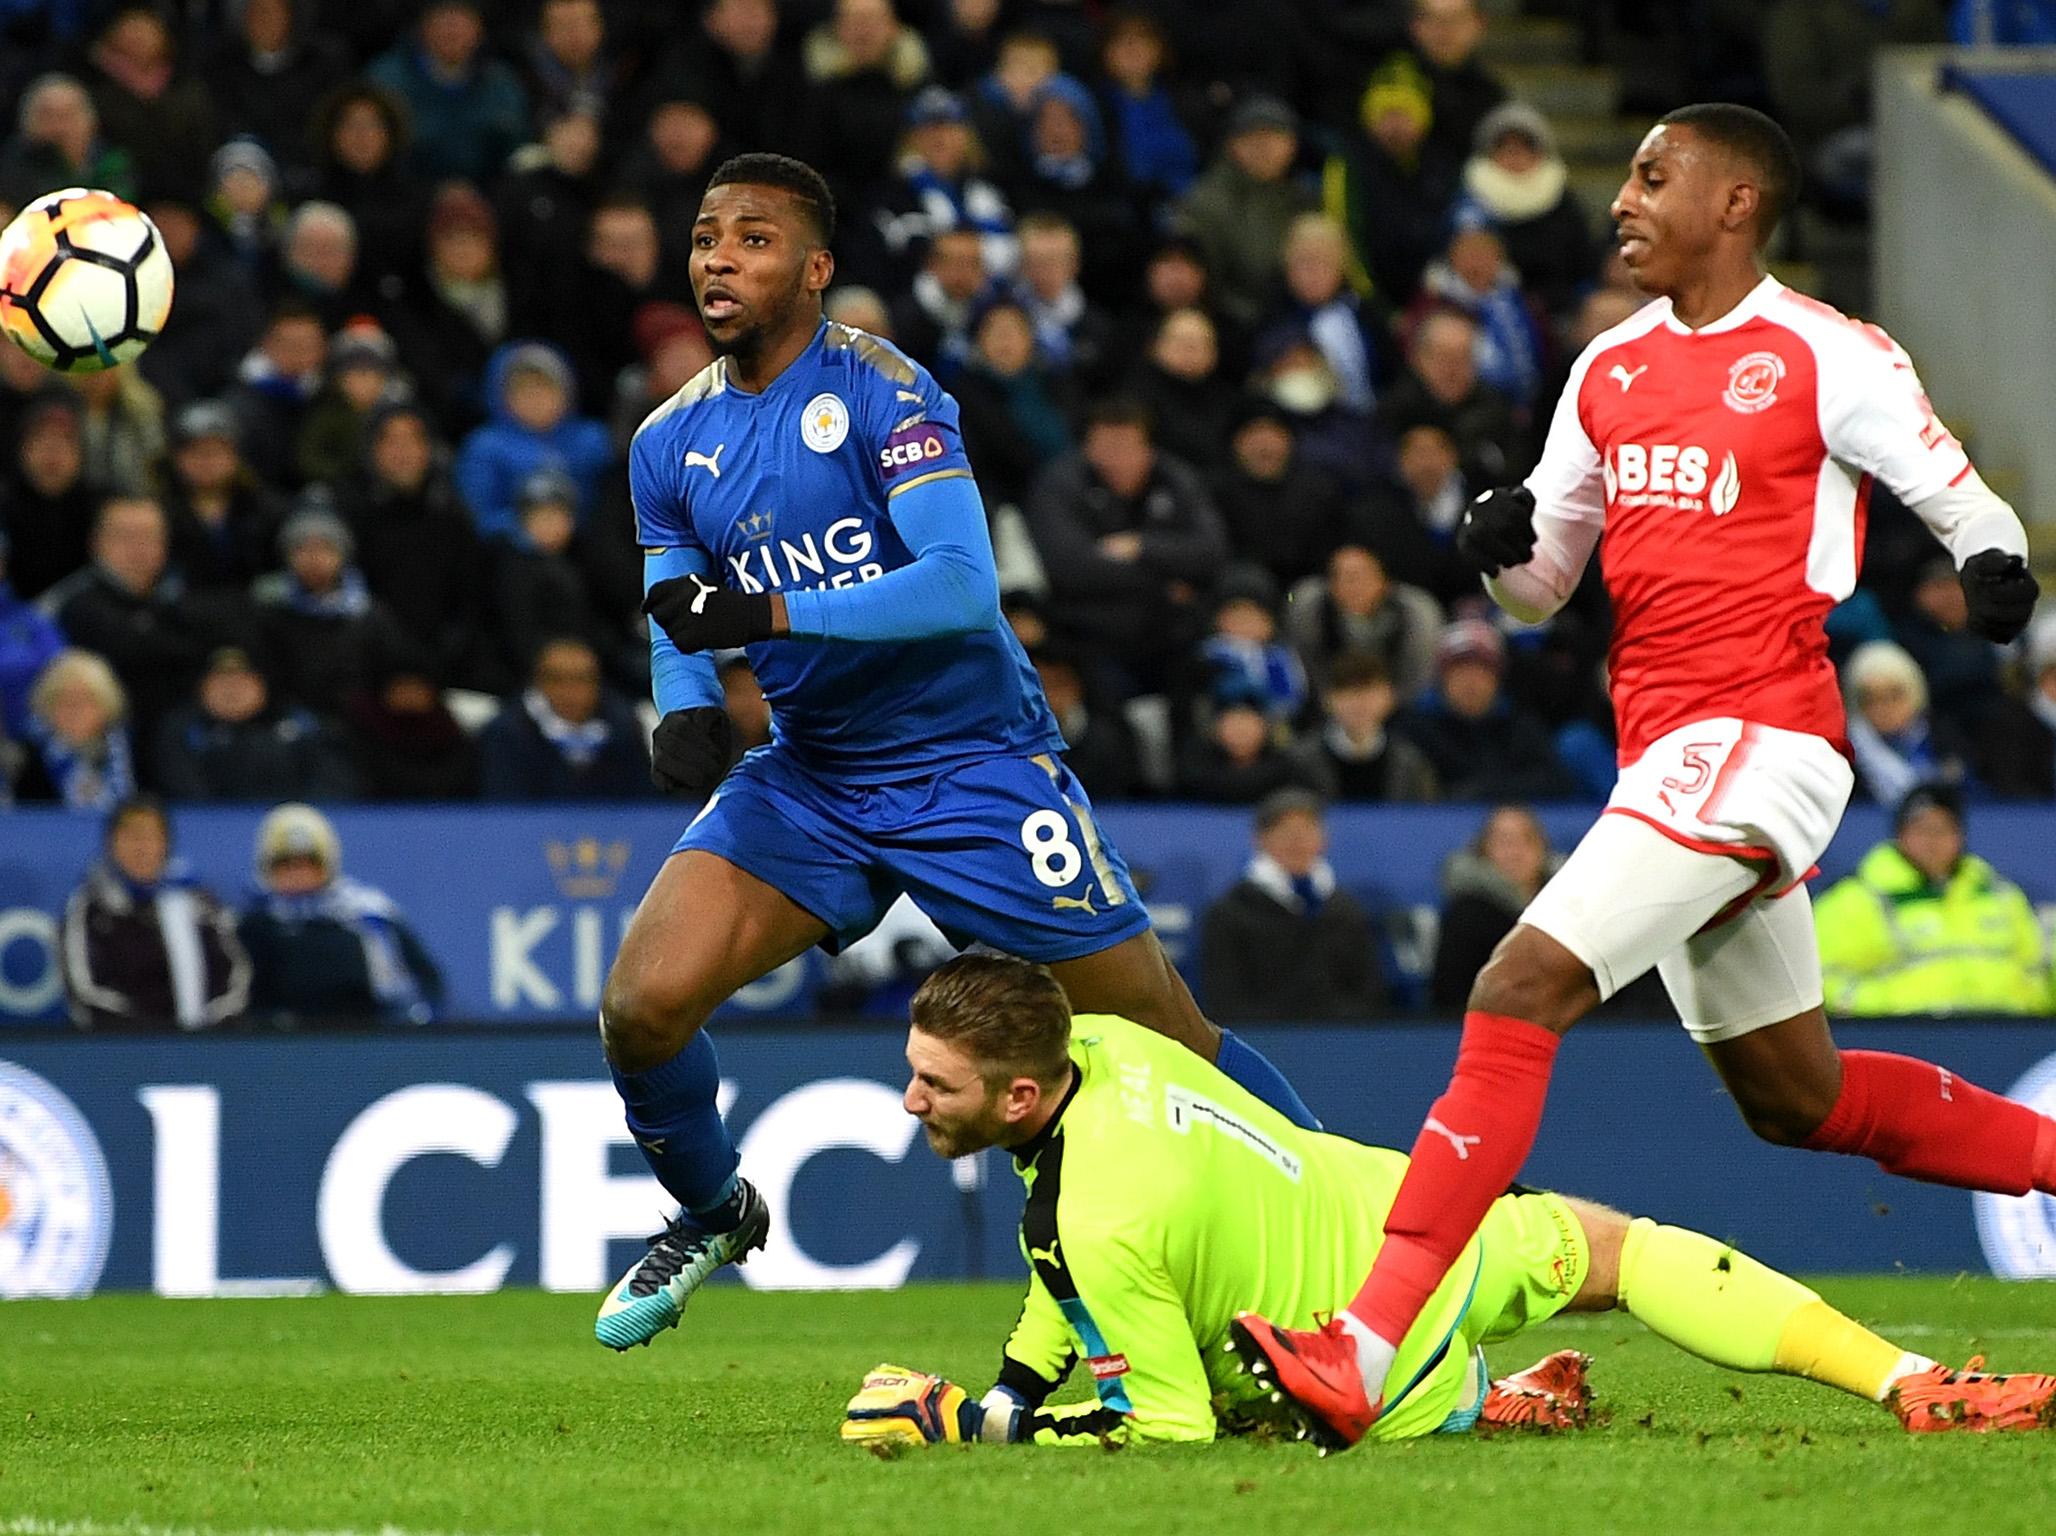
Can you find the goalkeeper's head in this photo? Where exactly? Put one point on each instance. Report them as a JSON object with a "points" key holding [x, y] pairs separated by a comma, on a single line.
{"points": [[990, 1053]]}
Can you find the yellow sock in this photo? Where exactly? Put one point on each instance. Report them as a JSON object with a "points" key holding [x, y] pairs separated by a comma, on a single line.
{"points": [[1822, 1345], [1723, 1306]]}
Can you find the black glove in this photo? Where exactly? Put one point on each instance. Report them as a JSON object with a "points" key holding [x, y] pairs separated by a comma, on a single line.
{"points": [[699, 616], [1498, 529], [2000, 593], [690, 749]]}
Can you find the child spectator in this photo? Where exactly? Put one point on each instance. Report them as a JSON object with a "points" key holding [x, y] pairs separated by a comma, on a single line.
{"points": [[937, 185], [325, 948], [318, 618], [1237, 759], [224, 524], [1151, 140], [1353, 750], [541, 584], [363, 374], [1482, 744], [1243, 659], [275, 385], [532, 390]]}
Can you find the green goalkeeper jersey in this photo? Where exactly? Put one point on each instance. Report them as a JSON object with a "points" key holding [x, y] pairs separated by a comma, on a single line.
{"points": [[1162, 1200]]}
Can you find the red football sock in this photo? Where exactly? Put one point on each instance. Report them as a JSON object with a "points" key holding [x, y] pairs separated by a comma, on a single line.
{"points": [[1920, 1120], [1472, 1145]]}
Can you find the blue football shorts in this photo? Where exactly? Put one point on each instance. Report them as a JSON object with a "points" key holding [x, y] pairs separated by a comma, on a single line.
{"points": [[1002, 851]]}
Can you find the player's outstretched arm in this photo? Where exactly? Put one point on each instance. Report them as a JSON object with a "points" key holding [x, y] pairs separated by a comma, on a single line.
{"points": [[950, 588]]}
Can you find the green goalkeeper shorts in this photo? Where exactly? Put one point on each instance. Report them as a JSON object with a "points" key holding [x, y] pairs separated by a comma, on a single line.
{"points": [[1535, 1258]]}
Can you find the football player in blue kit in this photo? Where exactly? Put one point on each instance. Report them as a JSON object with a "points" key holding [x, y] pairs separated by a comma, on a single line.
{"points": [[807, 497]]}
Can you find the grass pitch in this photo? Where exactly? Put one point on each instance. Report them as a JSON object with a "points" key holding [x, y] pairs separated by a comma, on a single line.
{"points": [[498, 1415]]}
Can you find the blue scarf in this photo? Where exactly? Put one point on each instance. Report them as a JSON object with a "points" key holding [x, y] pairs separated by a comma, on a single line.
{"points": [[579, 744], [87, 781], [350, 600], [372, 917], [967, 202]]}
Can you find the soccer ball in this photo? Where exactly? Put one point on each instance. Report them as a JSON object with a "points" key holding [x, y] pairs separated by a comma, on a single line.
{"points": [[85, 283]]}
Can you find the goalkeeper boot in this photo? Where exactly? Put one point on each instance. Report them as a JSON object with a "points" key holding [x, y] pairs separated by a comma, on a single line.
{"points": [[1550, 1394], [652, 1295], [1315, 1370], [1939, 1400]]}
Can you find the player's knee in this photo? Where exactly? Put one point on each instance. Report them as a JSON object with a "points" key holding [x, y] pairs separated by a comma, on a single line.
{"points": [[1784, 1119], [645, 1022], [1540, 982]]}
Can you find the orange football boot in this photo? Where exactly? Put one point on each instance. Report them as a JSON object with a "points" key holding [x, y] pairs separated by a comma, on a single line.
{"points": [[1315, 1370], [1940, 1401], [1551, 1394]]}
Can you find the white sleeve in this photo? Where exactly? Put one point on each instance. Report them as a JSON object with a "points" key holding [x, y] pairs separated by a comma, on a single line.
{"points": [[1569, 488]]}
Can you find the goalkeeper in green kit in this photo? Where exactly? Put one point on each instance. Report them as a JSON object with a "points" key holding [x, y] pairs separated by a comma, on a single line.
{"points": [[1163, 1201]]}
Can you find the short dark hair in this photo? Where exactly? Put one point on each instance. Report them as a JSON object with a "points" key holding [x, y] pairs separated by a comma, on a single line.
{"points": [[1121, 411], [795, 177], [1756, 140], [1358, 669], [137, 805], [1008, 1016]]}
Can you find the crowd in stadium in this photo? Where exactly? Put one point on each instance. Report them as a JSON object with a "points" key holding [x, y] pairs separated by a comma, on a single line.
{"points": [[1237, 326], [1240, 307]]}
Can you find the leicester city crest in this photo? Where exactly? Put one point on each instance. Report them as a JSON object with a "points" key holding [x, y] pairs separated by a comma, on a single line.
{"points": [[56, 1203]]}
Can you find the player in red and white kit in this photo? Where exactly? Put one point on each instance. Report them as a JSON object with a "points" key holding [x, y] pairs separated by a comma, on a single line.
{"points": [[1717, 449]]}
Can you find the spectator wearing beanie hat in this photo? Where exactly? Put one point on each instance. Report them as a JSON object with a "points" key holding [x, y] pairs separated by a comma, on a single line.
{"points": [[457, 313], [1516, 179], [317, 616], [1392, 198], [1243, 659], [1481, 744], [542, 583], [243, 199], [224, 521], [363, 374], [1240, 208], [532, 427], [234, 743]]}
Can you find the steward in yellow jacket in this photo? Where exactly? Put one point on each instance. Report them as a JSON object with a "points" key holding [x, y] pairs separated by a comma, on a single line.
{"points": [[1924, 927]]}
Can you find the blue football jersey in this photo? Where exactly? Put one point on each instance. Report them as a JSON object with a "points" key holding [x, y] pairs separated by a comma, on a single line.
{"points": [[791, 489]]}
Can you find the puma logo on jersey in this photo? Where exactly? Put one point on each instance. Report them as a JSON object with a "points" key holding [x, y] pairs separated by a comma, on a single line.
{"points": [[1667, 475], [1626, 377], [710, 462], [1075, 903], [1463, 1144]]}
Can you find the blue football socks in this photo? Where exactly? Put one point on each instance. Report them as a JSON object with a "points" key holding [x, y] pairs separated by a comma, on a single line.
{"points": [[672, 1114], [1246, 1065]]}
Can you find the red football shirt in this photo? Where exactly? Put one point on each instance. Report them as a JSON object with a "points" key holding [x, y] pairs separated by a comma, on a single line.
{"points": [[1725, 472]]}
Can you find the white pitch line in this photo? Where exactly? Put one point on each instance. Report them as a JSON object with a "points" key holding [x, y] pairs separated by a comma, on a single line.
{"points": [[34, 1527]]}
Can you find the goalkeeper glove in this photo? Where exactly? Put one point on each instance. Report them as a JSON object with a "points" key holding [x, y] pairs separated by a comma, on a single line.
{"points": [[1999, 593], [699, 616], [897, 1406], [1498, 529], [689, 751]]}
